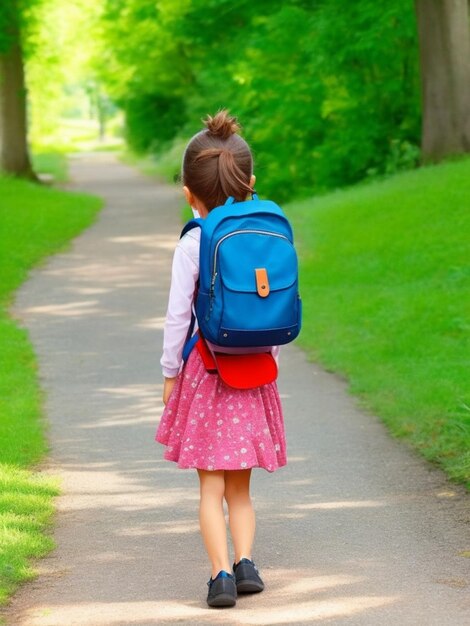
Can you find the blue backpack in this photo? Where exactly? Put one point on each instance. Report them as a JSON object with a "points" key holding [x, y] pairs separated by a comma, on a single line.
{"points": [[248, 292]]}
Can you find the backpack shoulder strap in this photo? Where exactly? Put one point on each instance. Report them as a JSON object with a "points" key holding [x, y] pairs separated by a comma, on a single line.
{"points": [[190, 338], [194, 223]]}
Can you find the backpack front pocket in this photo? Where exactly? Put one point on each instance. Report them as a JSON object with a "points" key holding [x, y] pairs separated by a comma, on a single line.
{"points": [[247, 315]]}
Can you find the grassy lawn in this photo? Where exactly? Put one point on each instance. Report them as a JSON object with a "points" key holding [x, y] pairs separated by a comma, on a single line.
{"points": [[385, 282], [35, 222], [53, 162]]}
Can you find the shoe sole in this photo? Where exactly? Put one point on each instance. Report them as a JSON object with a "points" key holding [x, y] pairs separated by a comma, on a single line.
{"points": [[249, 586], [222, 599]]}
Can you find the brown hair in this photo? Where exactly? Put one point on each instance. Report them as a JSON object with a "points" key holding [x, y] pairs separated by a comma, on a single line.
{"points": [[217, 162]]}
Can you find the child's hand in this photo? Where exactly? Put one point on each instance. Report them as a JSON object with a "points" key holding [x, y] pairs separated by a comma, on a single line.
{"points": [[168, 388]]}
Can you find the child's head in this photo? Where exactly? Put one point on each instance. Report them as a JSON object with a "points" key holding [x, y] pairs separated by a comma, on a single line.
{"points": [[217, 163]]}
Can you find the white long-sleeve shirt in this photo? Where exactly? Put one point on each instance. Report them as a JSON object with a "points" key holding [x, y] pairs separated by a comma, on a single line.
{"points": [[184, 277]]}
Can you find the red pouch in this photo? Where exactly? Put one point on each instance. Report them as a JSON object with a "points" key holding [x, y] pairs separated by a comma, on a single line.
{"points": [[240, 371]]}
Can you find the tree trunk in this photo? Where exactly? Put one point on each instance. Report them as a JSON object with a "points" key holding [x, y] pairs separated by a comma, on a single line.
{"points": [[14, 155], [444, 41]]}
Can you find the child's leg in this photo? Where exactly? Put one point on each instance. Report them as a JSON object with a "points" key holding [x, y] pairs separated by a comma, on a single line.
{"points": [[212, 519], [241, 513]]}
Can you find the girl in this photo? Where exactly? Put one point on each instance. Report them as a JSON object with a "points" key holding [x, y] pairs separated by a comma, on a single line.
{"points": [[220, 431]]}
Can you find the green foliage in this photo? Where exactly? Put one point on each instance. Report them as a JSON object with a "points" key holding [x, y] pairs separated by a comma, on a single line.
{"points": [[327, 91], [385, 280], [36, 222], [9, 24], [63, 47], [371, 107], [18, 21], [152, 120]]}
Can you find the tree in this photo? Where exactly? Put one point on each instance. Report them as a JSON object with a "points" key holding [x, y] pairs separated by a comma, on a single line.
{"points": [[14, 155], [327, 91], [444, 39]]}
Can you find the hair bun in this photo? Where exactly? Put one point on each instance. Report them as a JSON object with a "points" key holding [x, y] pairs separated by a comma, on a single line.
{"points": [[222, 124]]}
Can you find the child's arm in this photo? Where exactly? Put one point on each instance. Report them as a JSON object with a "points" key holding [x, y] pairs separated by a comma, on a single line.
{"points": [[184, 276]]}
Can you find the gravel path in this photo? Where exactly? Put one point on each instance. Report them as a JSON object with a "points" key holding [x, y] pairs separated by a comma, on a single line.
{"points": [[355, 530]]}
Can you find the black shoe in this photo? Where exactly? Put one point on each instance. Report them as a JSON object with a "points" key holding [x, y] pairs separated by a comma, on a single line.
{"points": [[247, 577], [222, 590]]}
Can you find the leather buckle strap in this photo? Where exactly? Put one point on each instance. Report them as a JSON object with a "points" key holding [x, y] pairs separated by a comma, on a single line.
{"points": [[262, 282]]}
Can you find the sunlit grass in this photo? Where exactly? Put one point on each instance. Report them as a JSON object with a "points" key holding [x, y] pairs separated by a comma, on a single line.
{"points": [[35, 222], [385, 281], [26, 510], [51, 162], [82, 135]]}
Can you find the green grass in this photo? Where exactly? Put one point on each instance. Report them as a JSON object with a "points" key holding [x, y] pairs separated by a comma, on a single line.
{"points": [[78, 135], [385, 282], [53, 162], [26, 510], [35, 222]]}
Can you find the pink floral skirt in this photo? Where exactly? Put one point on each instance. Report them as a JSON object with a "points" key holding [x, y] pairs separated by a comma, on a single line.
{"points": [[208, 425]]}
